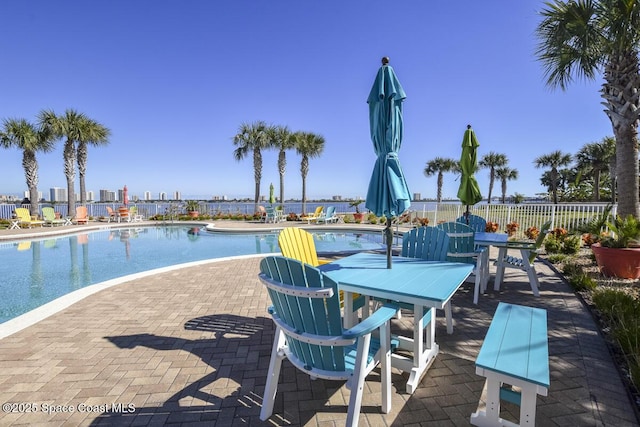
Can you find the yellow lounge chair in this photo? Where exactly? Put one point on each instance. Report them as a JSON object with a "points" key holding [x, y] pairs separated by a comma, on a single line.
{"points": [[298, 244], [25, 218], [314, 217]]}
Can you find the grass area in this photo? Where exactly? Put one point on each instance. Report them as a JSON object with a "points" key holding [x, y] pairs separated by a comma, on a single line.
{"points": [[615, 304]]}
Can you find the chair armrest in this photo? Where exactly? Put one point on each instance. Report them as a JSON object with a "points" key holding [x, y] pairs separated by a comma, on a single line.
{"points": [[373, 322], [521, 245]]}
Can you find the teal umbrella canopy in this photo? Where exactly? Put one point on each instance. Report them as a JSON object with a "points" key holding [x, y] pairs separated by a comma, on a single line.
{"points": [[388, 193], [469, 191]]}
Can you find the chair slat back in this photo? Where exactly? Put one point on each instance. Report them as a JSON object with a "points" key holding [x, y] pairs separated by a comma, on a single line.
{"points": [[298, 244], [48, 213], [461, 242], [311, 311], [331, 210], [477, 223], [428, 243], [23, 214]]}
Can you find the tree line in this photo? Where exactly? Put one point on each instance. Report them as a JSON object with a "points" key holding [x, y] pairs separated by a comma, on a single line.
{"points": [[252, 138], [78, 132], [591, 178]]}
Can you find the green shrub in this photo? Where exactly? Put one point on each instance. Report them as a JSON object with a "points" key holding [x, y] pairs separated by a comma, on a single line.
{"points": [[572, 269], [348, 219], [571, 245], [372, 218], [557, 258], [382, 220], [582, 282], [622, 311], [552, 244]]}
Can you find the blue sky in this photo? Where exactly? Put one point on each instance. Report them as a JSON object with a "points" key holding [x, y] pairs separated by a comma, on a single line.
{"points": [[173, 80]]}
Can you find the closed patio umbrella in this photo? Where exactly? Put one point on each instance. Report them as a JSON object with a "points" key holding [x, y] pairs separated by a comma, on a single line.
{"points": [[469, 191], [388, 194], [125, 196], [272, 197]]}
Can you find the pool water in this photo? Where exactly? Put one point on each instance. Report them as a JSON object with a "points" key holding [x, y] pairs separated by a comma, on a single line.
{"points": [[35, 272]]}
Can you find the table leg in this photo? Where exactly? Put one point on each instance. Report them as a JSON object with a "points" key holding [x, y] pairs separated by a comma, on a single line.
{"points": [[424, 351], [349, 315], [502, 253], [15, 224]]}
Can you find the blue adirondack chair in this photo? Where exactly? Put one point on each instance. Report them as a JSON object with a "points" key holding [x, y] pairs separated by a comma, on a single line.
{"points": [[476, 222], [309, 333], [462, 248], [432, 244], [328, 216]]}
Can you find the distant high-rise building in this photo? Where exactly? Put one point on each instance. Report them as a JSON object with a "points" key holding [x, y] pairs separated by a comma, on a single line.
{"points": [[177, 196], [336, 198], [162, 195], [91, 196], [417, 196], [107, 196], [147, 195], [57, 194]]}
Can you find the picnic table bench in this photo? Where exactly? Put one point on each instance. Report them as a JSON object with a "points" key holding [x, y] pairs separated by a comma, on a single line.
{"points": [[515, 352]]}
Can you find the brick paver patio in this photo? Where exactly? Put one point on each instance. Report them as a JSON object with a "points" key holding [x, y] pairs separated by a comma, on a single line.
{"points": [[191, 346]]}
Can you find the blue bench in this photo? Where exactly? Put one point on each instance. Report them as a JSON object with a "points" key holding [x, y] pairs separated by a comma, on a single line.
{"points": [[515, 352]]}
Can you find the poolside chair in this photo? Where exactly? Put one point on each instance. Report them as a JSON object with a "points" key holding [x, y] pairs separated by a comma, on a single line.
{"points": [[123, 214], [134, 214], [50, 219], [328, 216], [462, 248], [529, 252], [111, 214], [431, 244], [474, 221], [297, 243], [271, 214], [314, 216], [25, 218], [81, 215], [309, 333], [263, 213]]}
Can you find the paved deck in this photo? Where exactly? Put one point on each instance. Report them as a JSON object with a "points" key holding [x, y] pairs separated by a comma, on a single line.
{"points": [[191, 346]]}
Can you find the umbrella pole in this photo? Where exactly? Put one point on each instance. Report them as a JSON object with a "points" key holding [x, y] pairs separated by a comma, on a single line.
{"points": [[388, 235]]}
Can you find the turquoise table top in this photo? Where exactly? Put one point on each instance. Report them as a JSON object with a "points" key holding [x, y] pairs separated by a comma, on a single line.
{"points": [[410, 280], [486, 239]]}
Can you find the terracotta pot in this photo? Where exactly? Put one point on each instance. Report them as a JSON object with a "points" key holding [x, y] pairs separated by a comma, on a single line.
{"points": [[194, 214], [618, 262], [358, 216]]}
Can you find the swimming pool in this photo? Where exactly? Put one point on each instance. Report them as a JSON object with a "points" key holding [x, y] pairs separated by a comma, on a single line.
{"points": [[35, 272]]}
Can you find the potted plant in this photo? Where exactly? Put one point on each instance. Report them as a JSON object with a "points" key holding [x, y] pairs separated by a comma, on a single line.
{"points": [[192, 207], [358, 216], [618, 254]]}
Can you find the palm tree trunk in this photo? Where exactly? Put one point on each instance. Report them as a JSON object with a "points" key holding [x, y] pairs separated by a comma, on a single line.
{"points": [[491, 180], [257, 174], [31, 174], [70, 173], [440, 182], [304, 169], [82, 168], [504, 191], [282, 164]]}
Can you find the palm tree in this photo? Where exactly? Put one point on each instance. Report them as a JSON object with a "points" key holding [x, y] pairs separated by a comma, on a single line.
{"points": [[252, 138], [71, 126], [439, 166], [308, 145], [594, 159], [25, 136], [282, 139], [506, 174], [492, 161], [554, 161], [587, 38], [93, 134]]}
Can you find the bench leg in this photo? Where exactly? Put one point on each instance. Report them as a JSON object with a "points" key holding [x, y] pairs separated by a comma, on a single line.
{"points": [[528, 406]]}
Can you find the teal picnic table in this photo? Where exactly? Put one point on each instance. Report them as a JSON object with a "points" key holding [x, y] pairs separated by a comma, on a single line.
{"points": [[425, 285]]}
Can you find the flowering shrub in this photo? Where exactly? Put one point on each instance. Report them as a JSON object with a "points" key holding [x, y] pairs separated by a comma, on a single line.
{"points": [[559, 232], [422, 222], [512, 227], [532, 233], [491, 227]]}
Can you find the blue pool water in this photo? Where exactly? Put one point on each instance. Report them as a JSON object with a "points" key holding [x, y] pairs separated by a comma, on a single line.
{"points": [[35, 272]]}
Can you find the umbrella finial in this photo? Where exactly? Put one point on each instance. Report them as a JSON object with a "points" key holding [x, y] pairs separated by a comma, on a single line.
{"points": [[385, 60], [468, 126]]}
